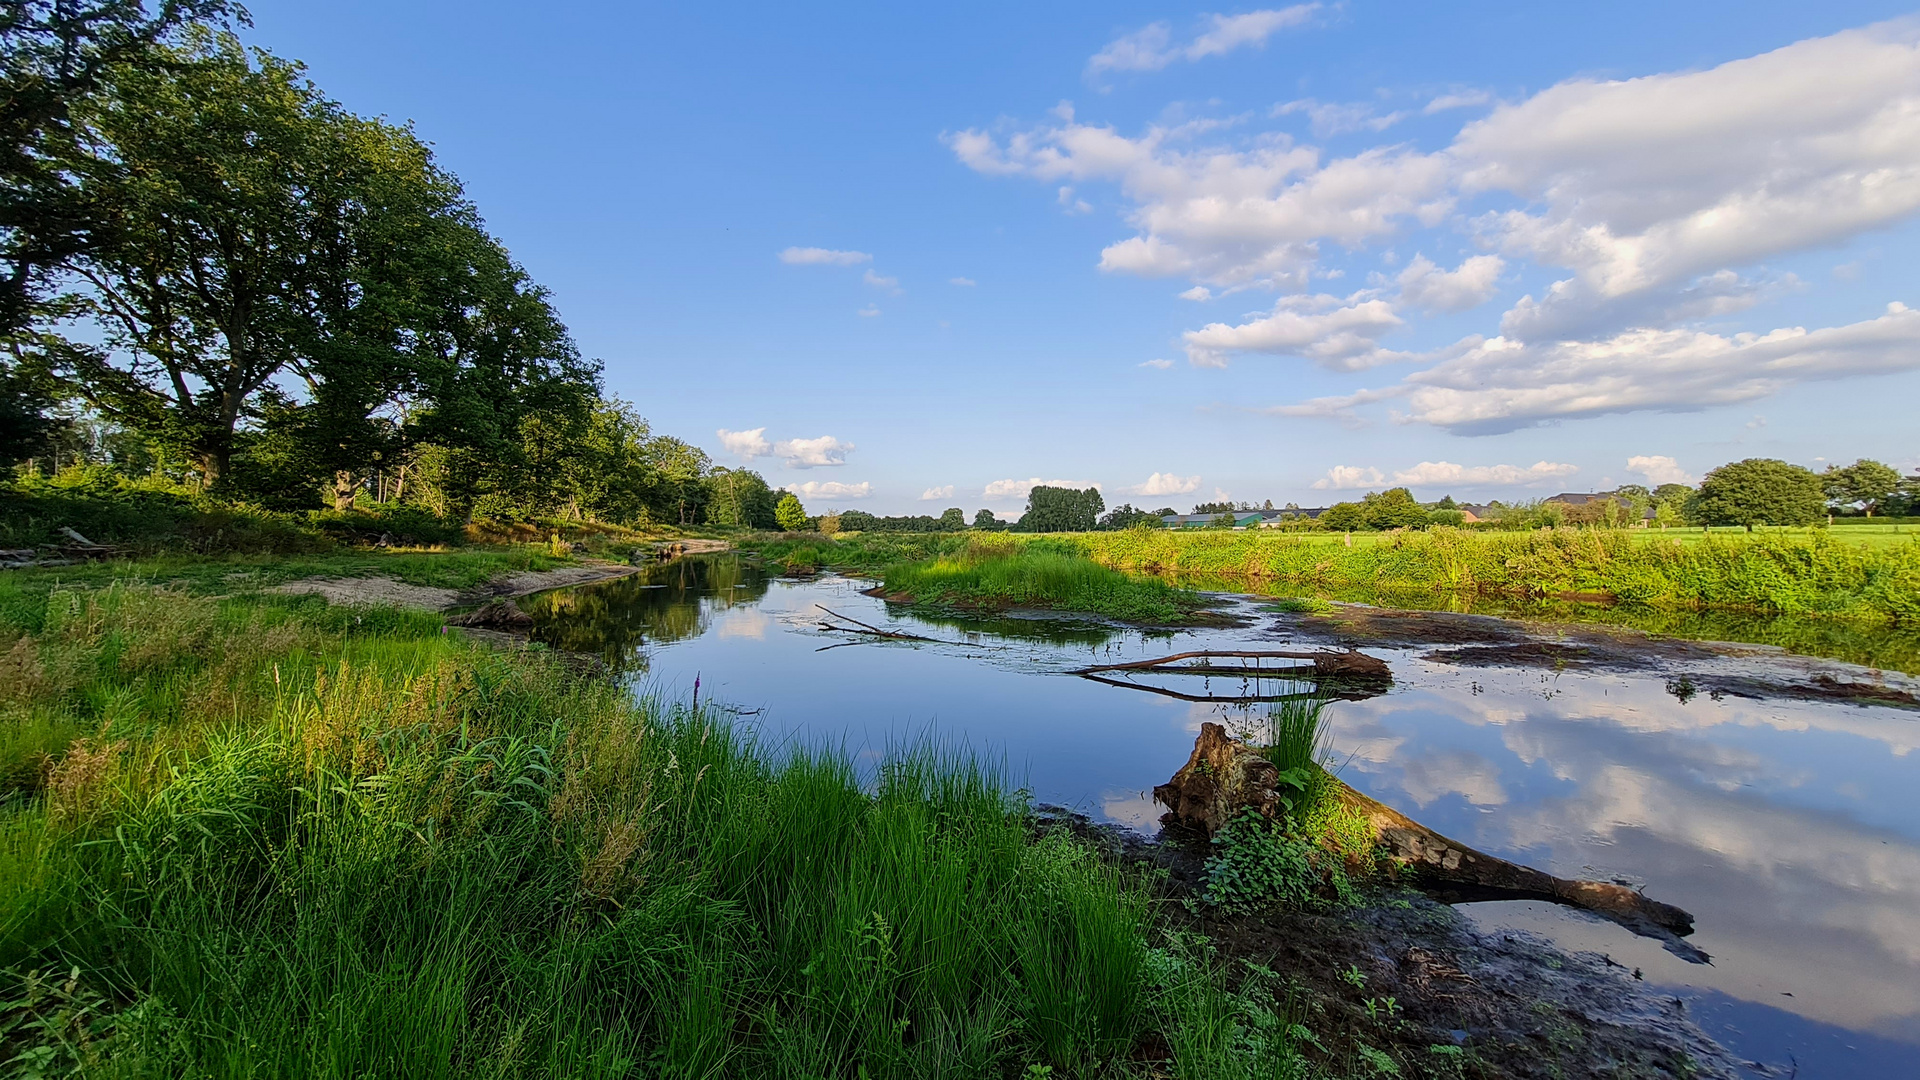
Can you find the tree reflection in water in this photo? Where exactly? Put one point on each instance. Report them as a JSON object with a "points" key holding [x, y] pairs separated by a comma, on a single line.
{"points": [[672, 601]]}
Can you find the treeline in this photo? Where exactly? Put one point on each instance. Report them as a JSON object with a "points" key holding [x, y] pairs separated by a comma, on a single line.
{"points": [[217, 279]]}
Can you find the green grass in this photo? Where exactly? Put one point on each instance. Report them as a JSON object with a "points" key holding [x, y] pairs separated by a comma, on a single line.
{"points": [[997, 572], [261, 836], [1811, 574]]}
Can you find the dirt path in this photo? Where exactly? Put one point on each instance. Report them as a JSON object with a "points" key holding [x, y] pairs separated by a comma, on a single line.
{"points": [[385, 590]]}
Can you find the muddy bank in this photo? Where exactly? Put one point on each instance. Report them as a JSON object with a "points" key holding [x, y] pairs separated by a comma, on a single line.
{"points": [[1501, 1005], [1713, 668], [385, 590]]}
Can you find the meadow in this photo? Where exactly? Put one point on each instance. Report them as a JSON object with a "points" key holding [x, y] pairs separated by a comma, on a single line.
{"points": [[254, 835], [994, 571]]}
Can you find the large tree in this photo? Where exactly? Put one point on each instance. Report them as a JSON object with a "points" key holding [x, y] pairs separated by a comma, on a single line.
{"points": [[1760, 491], [1864, 485], [255, 231], [1057, 509]]}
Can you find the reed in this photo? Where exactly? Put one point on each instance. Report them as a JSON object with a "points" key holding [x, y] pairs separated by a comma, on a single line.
{"points": [[999, 572]]}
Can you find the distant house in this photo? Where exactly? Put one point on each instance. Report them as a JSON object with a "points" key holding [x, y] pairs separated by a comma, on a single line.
{"points": [[1578, 498], [1475, 511]]}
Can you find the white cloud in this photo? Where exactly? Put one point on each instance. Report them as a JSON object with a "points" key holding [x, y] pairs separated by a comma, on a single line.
{"points": [[1647, 182], [891, 285], [809, 453], [1223, 216], [964, 281], [1165, 484], [1500, 384], [1331, 118], [1339, 407], [1151, 48], [1431, 473], [1157, 365], [1197, 294], [1659, 469], [1446, 472], [813, 256], [945, 491], [868, 312], [1349, 478], [1470, 284], [1459, 100], [1334, 333], [1007, 490], [830, 489], [1073, 205], [746, 444]]}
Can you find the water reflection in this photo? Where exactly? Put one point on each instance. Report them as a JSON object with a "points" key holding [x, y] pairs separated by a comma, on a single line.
{"points": [[1790, 829]]}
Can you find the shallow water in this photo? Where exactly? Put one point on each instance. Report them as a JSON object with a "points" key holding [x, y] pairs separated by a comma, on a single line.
{"points": [[1789, 829]]}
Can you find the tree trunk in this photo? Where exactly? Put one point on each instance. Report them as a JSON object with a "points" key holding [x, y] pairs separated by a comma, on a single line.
{"points": [[343, 489]]}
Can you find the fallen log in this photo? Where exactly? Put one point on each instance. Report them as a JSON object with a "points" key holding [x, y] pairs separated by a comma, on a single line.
{"points": [[1348, 692], [1224, 778], [1326, 663]]}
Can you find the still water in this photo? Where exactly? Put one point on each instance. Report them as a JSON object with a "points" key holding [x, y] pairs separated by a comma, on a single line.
{"points": [[1791, 830]]}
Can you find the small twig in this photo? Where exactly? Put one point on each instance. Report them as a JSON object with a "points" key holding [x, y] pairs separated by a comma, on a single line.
{"points": [[874, 630]]}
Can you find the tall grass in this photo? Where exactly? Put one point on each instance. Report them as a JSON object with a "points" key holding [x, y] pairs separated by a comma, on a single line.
{"points": [[1812, 574], [998, 572], [275, 838]]}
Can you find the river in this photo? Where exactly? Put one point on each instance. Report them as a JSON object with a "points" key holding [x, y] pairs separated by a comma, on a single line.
{"points": [[1790, 829]]}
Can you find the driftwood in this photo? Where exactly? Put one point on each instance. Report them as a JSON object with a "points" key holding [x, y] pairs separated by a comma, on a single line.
{"points": [[1348, 663], [1343, 693], [1225, 777]]}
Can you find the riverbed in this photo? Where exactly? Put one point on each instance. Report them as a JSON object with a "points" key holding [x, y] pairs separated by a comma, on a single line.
{"points": [[1788, 827]]}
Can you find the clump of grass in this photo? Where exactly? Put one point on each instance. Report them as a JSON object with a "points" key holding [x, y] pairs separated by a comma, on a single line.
{"points": [[1297, 605], [996, 572], [290, 839]]}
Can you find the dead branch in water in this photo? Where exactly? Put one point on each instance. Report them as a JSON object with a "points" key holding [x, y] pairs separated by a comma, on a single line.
{"points": [[1325, 663], [863, 628], [1227, 699]]}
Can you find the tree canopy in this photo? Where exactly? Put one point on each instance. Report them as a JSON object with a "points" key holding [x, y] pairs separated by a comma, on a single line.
{"points": [[1865, 485], [1057, 509], [1760, 491]]}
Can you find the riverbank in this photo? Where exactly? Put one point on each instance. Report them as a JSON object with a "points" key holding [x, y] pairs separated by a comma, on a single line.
{"points": [[189, 772], [1809, 574]]}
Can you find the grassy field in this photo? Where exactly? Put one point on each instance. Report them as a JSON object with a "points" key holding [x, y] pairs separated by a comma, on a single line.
{"points": [[256, 835]]}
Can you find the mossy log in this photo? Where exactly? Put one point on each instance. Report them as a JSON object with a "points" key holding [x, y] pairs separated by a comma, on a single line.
{"points": [[1225, 777]]}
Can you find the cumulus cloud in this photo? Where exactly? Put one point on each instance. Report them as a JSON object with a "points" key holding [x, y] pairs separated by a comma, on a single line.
{"points": [[1432, 473], [891, 285], [1659, 469], [1223, 216], [1005, 490], [1656, 201], [1645, 184], [1165, 484], [1501, 384], [810, 453], [1152, 47], [1470, 284], [830, 489], [1198, 293], [1334, 333], [746, 444], [1350, 478], [963, 281], [814, 256], [945, 491]]}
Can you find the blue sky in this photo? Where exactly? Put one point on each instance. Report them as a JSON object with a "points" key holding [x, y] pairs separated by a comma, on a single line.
{"points": [[1492, 250]]}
